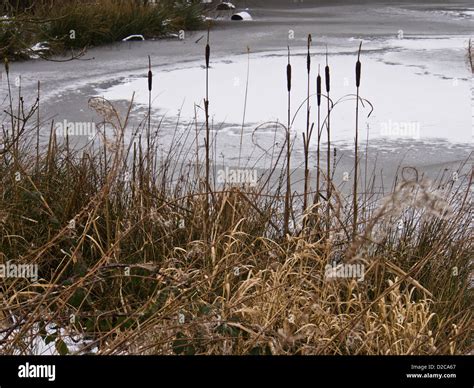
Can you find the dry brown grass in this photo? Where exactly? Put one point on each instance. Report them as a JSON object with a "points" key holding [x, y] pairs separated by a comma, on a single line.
{"points": [[140, 274]]}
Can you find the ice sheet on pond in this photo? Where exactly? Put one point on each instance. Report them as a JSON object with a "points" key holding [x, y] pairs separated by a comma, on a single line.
{"points": [[420, 88]]}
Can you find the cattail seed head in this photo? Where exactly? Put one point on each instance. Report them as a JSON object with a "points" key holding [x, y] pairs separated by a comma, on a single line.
{"points": [[318, 89], [288, 73], [208, 47], [327, 76], [288, 77], [308, 58], [208, 55], [7, 66], [358, 67], [150, 75], [326, 73], [150, 80]]}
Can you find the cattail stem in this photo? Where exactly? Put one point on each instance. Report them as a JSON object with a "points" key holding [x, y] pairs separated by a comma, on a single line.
{"points": [[318, 151], [288, 149], [148, 134], [356, 147], [307, 137], [329, 182], [207, 141]]}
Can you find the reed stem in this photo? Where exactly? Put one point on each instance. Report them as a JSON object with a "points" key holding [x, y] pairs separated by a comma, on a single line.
{"points": [[356, 150], [307, 137], [329, 182], [288, 150], [207, 140]]}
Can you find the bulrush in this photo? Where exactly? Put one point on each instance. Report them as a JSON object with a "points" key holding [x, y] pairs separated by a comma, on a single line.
{"points": [[318, 88], [307, 136], [150, 87], [150, 75], [318, 151], [208, 52], [288, 73], [286, 217], [308, 57], [356, 146], [328, 178], [207, 140], [327, 73]]}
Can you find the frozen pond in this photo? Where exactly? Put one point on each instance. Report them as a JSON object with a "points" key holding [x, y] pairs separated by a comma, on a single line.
{"points": [[420, 88], [414, 72]]}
